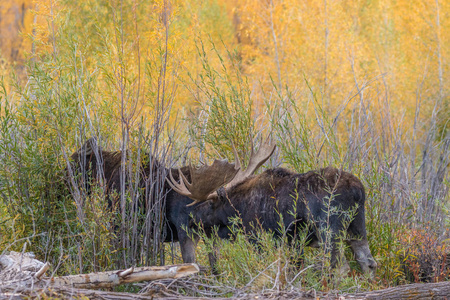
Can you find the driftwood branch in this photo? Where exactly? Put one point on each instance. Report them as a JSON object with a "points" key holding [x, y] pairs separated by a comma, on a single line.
{"points": [[113, 278], [22, 274], [39, 274]]}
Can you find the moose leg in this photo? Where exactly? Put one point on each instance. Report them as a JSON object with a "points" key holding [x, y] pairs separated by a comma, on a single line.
{"points": [[188, 246], [297, 258], [212, 256], [329, 238], [222, 233]]}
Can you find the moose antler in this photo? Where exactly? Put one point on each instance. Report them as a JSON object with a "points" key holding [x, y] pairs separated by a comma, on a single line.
{"points": [[205, 180], [256, 160]]}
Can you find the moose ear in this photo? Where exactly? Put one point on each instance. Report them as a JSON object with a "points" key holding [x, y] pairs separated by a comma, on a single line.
{"points": [[88, 147], [222, 195]]}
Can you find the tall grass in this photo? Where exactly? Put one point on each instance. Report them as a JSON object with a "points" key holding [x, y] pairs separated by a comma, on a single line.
{"points": [[225, 116]]}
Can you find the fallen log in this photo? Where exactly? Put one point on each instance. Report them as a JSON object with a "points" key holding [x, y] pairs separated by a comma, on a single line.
{"points": [[16, 265], [113, 278], [22, 270], [425, 291]]}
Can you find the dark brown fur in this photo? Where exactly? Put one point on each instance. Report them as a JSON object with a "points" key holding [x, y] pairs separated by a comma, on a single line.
{"points": [[96, 166], [302, 200]]}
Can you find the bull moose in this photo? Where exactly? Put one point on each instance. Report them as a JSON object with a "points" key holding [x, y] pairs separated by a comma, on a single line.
{"points": [[224, 190], [328, 201]]}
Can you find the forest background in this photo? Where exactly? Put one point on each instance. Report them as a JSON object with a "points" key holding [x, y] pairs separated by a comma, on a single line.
{"points": [[357, 84]]}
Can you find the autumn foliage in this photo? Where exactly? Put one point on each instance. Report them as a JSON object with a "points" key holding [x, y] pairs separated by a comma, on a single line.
{"points": [[425, 256], [335, 46]]}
